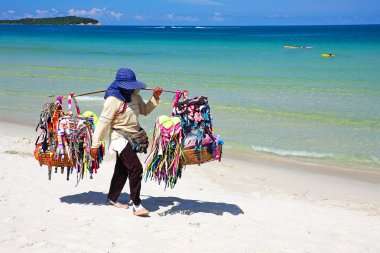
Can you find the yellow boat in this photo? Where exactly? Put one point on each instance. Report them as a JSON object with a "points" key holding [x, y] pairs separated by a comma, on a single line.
{"points": [[328, 55]]}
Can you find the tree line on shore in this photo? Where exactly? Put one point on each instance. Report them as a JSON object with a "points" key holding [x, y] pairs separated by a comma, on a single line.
{"points": [[69, 20]]}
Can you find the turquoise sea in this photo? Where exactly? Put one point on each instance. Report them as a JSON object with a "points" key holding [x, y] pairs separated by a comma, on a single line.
{"points": [[264, 98]]}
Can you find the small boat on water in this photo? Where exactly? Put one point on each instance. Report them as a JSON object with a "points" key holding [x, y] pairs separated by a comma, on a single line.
{"points": [[296, 47], [291, 47], [328, 55]]}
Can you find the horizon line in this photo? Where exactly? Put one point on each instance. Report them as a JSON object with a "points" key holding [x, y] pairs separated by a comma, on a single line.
{"points": [[187, 25]]}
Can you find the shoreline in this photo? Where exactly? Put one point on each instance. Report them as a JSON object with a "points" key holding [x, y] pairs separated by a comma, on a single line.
{"points": [[367, 175], [266, 159], [284, 174]]}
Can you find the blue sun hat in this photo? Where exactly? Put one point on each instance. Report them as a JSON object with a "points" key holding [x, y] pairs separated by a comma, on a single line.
{"points": [[126, 79], [124, 85]]}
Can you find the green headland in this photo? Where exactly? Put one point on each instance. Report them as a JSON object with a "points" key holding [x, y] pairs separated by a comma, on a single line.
{"points": [[69, 20]]}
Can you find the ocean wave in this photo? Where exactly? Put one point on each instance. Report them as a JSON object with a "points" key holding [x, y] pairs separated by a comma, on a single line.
{"points": [[304, 116], [283, 152], [180, 27], [57, 68], [62, 77], [152, 27], [375, 159]]}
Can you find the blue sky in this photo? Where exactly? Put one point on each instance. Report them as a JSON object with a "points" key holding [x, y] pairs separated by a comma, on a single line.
{"points": [[201, 12]]}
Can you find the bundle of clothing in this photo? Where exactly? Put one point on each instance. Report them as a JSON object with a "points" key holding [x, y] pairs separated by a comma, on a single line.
{"points": [[189, 129], [197, 126], [163, 161], [65, 140]]}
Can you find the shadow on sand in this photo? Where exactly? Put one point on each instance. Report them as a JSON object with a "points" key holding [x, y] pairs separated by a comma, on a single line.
{"points": [[153, 204]]}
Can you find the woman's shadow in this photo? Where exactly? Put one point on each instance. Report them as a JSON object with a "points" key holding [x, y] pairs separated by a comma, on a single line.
{"points": [[176, 205]]}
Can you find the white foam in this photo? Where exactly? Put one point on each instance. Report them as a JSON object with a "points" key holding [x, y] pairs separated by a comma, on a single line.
{"points": [[180, 27], [282, 152], [375, 159]]}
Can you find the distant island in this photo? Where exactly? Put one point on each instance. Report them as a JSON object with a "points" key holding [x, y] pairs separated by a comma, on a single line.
{"points": [[69, 20]]}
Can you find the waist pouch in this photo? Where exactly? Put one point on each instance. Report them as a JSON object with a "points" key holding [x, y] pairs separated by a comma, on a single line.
{"points": [[139, 141]]}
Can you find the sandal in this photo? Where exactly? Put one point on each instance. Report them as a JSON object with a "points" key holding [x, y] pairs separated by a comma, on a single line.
{"points": [[140, 211], [117, 204]]}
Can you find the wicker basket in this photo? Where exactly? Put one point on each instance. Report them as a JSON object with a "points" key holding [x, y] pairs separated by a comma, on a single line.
{"points": [[199, 156], [50, 160]]}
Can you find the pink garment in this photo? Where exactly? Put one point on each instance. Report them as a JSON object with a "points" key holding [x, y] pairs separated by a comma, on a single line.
{"points": [[191, 144]]}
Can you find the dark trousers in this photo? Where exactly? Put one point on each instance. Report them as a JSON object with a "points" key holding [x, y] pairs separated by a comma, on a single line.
{"points": [[127, 165]]}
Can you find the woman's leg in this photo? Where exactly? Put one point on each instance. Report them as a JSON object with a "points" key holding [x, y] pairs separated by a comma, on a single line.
{"points": [[134, 168], [119, 178]]}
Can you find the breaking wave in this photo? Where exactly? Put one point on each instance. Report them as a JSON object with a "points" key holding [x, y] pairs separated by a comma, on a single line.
{"points": [[375, 159], [283, 152]]}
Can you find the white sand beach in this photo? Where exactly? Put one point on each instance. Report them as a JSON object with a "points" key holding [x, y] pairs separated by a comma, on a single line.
{"points": [[257, 204]]}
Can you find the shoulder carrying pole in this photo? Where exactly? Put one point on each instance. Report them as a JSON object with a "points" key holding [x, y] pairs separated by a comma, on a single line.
{"points": [[100, 91]]}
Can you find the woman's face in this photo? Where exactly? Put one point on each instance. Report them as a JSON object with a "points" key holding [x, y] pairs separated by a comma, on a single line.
{"points": [[126, 92]]}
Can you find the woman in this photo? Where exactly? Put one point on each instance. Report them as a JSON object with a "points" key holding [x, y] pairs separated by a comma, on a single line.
{"points": [[121, 110]]}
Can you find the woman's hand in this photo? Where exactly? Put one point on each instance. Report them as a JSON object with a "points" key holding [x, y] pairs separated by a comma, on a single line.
{"points": [[157, 92], [94, 153]]}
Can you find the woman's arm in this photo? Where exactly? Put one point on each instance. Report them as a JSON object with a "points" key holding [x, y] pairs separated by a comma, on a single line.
{"points": [[146, 108], [108, 113]]}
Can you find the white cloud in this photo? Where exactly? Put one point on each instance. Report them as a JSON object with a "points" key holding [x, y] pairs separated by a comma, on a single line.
{"points": [[116, 15], [217, 17], [279, 16], [138, 18], [174, 17], [9, 14], [55, 13], [343, 20], [42, 13], [96, 13]]}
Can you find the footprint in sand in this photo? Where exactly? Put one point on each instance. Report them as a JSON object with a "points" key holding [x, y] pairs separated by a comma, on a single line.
{"points": [[195, 224], [20, 153], [8, 219]]}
